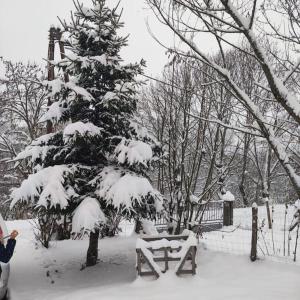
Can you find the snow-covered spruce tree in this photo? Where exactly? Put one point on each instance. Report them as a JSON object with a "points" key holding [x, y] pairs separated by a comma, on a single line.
{"points": [[95, 163]]}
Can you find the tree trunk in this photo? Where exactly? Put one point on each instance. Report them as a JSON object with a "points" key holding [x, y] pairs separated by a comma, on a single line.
{"points": [[92, 253], [253, 254], [138, 226]]}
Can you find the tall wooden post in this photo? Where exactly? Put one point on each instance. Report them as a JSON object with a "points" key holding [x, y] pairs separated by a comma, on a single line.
{"points": [[51, 47], [253, 254], [269, 214], [228, 213], [55, 34], [266, 200], [62, 50], [92, 253]]}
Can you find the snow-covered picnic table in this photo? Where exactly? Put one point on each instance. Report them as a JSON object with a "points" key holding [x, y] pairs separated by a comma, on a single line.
{"points": [[180, 248]]}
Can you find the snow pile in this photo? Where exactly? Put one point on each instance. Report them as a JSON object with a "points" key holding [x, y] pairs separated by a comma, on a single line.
{"points": [[47, 185], [87, 216], [121, 190], [228, 196], [133, 152], [148, 227], [80, 128], [155, 245]]}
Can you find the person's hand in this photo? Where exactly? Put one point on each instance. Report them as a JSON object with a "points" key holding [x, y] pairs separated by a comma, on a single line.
{"points": [[14, 234]]}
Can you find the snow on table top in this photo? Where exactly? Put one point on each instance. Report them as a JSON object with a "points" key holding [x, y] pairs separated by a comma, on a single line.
{"points": [[164, 242]]}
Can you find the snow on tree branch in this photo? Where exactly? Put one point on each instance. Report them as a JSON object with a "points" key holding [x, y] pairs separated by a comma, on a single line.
{"points": [[44, 188], [133, 152], [122, 189], [87, 216], [79, 128]]}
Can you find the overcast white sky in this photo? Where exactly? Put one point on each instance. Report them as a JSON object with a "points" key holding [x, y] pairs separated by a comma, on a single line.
{"points": [[24, 26]]}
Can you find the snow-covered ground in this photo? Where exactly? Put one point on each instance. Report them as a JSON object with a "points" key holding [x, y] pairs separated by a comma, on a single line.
{"points": [[37, 273], [273, 244]]}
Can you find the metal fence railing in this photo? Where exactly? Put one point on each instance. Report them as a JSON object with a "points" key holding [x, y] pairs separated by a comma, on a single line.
{"points": [[203, 214]]}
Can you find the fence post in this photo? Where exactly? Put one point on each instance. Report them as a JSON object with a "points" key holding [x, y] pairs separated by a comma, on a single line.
{"points": [[253, 254], [268, 213], [228, 213]]}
